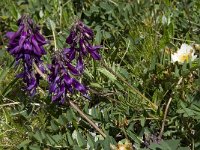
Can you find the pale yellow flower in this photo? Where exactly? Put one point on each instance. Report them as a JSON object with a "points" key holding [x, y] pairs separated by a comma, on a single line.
{"points": [[184, 54]]}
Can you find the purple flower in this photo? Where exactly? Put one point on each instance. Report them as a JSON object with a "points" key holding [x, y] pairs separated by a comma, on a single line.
{"points": [[80, 45], [26, 45], [62, 69], [61, 83]]}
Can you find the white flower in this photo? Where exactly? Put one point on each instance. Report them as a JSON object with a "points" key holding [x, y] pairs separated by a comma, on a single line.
{"points": [[184, 54]]}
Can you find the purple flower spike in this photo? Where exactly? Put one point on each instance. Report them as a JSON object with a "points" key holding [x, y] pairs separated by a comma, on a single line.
{"points": [[61, 83], [79, 40], [71, 37], [93, 50], [27, 45], [69, 63], [80, 65]]}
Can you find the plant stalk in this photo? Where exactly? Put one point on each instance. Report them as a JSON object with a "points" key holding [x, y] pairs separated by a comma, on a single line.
{"points": [[166, 111], [87, 119], [73, 105], [150, 104]]}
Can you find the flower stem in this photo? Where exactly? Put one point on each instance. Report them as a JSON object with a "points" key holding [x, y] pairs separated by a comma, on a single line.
{"points": [[74, 106], [10, 104], [150, 104], [87, 119], [166, 111]]}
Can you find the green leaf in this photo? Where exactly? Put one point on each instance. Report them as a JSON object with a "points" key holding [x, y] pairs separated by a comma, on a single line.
{"points": [[76, 147], [171, 30], [69, 139], [34, 147], [3, 73], [24, 144], [134, 137], [49, 139], [98, 35], [81, 141], [38, 136], [62, 120], [53, 125], [53, 25], [142, 120], [57, 138], [8, 89], [173, 143], [95, 85], [177, 71], [90, 141], [107, 74]]}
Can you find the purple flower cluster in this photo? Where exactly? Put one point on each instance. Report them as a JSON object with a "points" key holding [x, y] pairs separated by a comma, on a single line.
{"points": [[27, 45], [61, 82], [80, 44]]}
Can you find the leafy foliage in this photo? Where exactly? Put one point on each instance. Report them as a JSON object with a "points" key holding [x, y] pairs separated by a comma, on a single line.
{"points": [[129, 89]]}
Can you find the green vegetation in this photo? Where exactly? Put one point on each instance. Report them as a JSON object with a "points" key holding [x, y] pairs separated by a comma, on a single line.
{"points": [[139, 98]]}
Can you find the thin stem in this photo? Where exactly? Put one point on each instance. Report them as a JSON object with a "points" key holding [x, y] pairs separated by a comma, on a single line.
{"points": [[7, 146], [60, 7], [164, 118], [87, 119], [74, 106], [39, 71], [125, 52], [9, 104], [166, 111], [151, 104], [54, 38]]}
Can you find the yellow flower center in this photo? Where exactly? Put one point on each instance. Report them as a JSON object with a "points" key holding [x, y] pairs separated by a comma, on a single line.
{"points": [[184, 57]]}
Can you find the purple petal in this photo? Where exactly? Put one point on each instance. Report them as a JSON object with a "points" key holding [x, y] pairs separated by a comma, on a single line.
{"points": [[54, 98], [27, 57], [22, 39], [83, 46], [95, 55], [52, 87], [62, 100], [57, 79], [72, 55], [88, 33], [36, 48], [70, 89], [58, 95], [17, 33], [40, 38], [10, 34], [13, 43], [68, 80], [49, 66], [21, 75], [56, 69], [80, 64], [70, 38], [32, 84], [78, 86], [41, 66], [42, 50], [67, 50], [33, 92], [93, 50], [88, 30], [14, 50], [27, 46], [72, 69]]}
